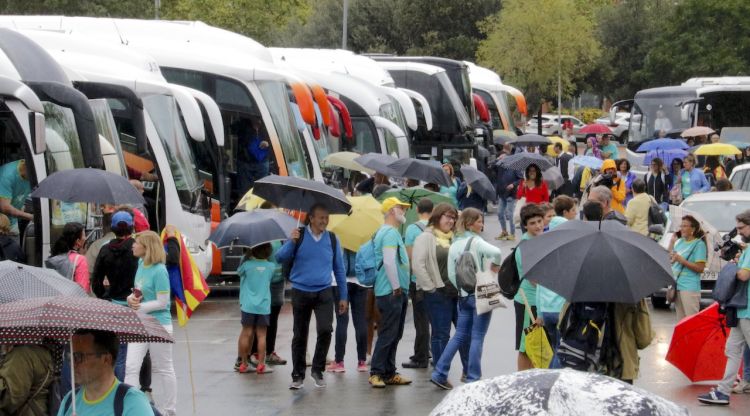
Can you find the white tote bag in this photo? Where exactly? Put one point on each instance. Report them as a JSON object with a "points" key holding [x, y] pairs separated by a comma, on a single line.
{"points": [[487, 291], [517, 210]]}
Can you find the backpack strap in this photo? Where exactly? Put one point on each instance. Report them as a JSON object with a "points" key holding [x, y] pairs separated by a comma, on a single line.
{"points": [[119, 403], [69, 398], [334, 246], [36, 393], [296, 248], [420, 226]]}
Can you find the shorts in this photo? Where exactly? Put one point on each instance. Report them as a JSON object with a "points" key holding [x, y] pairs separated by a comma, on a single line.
{"points": [[522, 318], [254, 319]]}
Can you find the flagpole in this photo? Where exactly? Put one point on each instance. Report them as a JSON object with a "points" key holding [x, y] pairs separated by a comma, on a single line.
{"points": [[190, 367]]}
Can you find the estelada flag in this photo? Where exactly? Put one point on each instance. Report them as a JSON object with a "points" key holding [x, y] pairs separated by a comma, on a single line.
{"points": [[189, 287]]}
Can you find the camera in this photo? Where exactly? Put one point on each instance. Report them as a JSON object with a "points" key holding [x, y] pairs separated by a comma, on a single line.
{"points": [[605, 179], [727, 247]]}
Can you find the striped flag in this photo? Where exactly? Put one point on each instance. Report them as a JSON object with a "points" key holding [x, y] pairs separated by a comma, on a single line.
{"points": [[189, 287]]}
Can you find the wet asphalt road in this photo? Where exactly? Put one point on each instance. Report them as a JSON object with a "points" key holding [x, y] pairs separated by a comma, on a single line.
{"points": [[211, 340]]}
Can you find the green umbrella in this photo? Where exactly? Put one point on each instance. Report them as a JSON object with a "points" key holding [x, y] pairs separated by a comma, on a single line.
{"points": [[413, 196]]}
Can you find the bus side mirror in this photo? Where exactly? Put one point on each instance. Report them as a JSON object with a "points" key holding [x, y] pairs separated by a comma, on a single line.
{"points": [[37, 133], [684, 114]]}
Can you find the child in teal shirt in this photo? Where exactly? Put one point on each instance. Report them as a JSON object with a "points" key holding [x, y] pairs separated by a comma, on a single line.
{"points": [[255, 274]]}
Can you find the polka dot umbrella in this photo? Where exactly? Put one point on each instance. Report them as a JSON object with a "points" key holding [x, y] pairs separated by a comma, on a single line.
{"points": [[19, 281]]}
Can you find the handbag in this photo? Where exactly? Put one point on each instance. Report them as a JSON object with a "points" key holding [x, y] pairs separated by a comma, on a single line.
{"points": [[517, 210], [487, 292], [675, 194], [538, 348], [672, 289]]}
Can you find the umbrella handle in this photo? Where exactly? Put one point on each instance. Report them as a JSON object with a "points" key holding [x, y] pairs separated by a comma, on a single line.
{"points": [[72, 378]]}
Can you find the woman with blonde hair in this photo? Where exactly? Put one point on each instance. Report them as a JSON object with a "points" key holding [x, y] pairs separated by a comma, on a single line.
{"points": [[471, 327], [151, 294]]}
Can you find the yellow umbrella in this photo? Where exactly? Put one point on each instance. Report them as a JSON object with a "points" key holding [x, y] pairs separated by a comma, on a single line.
{"points": [[345, 160], [250, 201], [717, 149], [355, 229], [556, 139]]}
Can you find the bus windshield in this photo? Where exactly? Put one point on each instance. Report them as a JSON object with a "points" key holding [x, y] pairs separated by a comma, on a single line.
{"points": [[107, 128], [452, 95], [275, 96], [658, 112], [63, 145], [162, 110]]}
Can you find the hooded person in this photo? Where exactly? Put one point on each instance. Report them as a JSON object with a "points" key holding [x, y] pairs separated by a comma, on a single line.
{"points": [[617, 185]]}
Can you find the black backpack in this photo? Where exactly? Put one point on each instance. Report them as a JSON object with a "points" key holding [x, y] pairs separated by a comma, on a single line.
{"points": [[582, 334], [656, 214], [118, 405], [286, 267], [508, 278]]}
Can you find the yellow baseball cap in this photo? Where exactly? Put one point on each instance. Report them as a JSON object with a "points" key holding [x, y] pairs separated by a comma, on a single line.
{"points": [[391, 202]]}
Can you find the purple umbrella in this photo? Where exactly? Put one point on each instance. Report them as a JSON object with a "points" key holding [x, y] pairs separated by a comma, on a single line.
{"points": [[667, 156]]}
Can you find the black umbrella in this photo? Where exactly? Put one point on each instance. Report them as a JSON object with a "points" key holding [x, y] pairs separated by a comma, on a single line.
{"points": [[430, 171], [531, 140], [378, 162], [554, 392], [88, 185], [520, 161], [500, 137], [596, 262], [479, 183], [300, 194], [249, 229], [19, 281]]}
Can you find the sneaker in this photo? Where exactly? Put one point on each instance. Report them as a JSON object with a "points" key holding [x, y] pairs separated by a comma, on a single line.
{"points": [[274, 359], [376, 381], [237, 364], [463, 378], [246, 368], [502, 236], [336, 367], [263, 369], [445, 385], [714, 397], [742, 387], [319, 381], [398, 380], [253, 358], [414, 364], [511, 237], [296, 384], [362, 366]]}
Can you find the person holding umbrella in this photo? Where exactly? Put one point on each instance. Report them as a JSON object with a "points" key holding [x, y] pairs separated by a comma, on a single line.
{"points": [[94, 354], [506, 183], [688, 254], [658, 182], [739, 336], [533, 187], [151, 295], [452, 189]]}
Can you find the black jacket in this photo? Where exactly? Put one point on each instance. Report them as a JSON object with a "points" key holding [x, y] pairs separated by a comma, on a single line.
{"points": [[11, 250], [117, 263], [658, 186]]}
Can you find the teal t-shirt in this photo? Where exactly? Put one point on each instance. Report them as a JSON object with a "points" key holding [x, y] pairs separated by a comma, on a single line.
{"points": [[135, 403], [528, 287], [14, 188], [152, 280], [686, 186], [388, 237], [610, 148], [744, 264], [412, 232], [694, 252], [255, 286]]}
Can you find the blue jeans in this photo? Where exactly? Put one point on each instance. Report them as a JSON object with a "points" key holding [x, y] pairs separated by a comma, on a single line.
{"points": [[550, 325], [505, 209], [470, 331], [390, 329], [746, 362], [442, 311], [122, 354], [357, 300]]}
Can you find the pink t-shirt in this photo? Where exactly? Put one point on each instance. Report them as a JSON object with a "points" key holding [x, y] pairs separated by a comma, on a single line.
{"points": [[81, 272]]}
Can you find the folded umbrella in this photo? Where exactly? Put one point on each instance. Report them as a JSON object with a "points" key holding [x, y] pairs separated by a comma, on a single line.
{"points": [[663, 144], [698, 131], [346, 160], [377, 161], [587, 161], [596, 262], [249, 229], [300, 194], [553, 177], [520, 161], [717, 149], [430, 171], [88, 185], [19, 281], [479, 183], [697, 346], [531, 140], [355, 229], [554, 392], [595, 128]]}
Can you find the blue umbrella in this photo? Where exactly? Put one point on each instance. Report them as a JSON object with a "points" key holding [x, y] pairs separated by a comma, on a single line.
{"points": [[740, 145], [587, 161], [667, 156], [662, 144]]}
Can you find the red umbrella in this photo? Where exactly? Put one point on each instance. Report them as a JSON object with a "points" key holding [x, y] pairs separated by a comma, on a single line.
{"points": [[697, 347], [595, 128]]}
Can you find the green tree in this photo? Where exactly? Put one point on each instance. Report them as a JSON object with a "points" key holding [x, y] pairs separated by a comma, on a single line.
{"points": [[529, 50], [114, 8], [701, 38]]}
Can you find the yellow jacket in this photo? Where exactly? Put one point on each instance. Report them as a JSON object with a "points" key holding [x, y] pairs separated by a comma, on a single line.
{"points": [[637, 213], [618, 195]]}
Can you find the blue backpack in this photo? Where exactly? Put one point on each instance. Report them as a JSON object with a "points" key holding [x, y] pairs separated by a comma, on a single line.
{"points": [[365, 266]]}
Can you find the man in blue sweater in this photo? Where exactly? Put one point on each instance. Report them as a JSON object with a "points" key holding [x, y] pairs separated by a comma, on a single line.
{"points": [[315, 255]]}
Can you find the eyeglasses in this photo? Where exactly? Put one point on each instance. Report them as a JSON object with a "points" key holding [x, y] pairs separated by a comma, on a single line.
{"points": [[450, 217], [79, 357]]}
